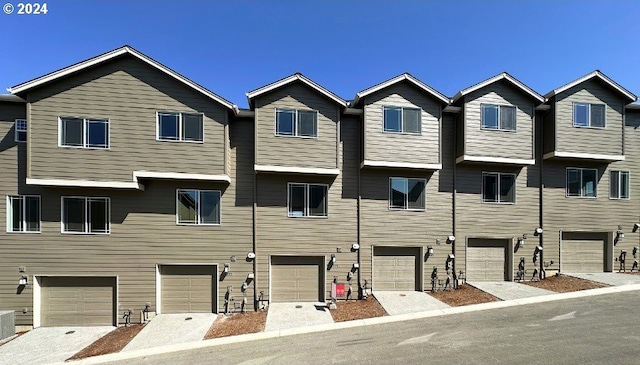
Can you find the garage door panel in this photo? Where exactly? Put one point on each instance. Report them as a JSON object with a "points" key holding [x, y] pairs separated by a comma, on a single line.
{"points": [[486, 261], [395, 268], [582, 256], [81, 301], [188, 289], [296, 279]]}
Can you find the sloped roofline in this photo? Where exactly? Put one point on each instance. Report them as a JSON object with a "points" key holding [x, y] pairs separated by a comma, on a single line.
{"points": [[55, 75], [597, 74], [290, 79], [405, 76], [501, 76]]}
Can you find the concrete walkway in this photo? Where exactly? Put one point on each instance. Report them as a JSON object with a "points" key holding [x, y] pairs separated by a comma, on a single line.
{"points": [[281, 316], [402, 302], [50, 344], [610, 278], [171, 329], [509, 290]]}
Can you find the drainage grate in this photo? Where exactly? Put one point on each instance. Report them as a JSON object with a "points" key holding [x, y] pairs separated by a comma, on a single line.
{"points": [[298, 306], [188, 318], [70, 332]]}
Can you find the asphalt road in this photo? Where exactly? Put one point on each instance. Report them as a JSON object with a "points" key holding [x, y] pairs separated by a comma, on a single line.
{"points": [[601, 329]]}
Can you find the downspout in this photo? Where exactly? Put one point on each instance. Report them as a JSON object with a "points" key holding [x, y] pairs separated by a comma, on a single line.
{"points": [[539, 155]]}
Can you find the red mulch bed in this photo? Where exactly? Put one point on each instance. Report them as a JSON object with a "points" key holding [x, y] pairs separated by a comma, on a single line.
{"points": [[564, 284], [464, 295], [237, 324], [357, 309], [114, 341]]}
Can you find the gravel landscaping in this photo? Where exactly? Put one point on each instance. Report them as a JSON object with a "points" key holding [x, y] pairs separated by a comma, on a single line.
{"points": [[237, 324], [114, 341], [464, 295], [563, 284], [357, 309]]}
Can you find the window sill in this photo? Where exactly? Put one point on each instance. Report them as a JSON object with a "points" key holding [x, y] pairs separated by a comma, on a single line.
{"points": [[199, 224], [499, 203], [87, 233], [622, 199], [291, 136], [403, 133], [179, 141], [498, 130], [589, 127], [86, 148], [309, 216], [581, 197], [23, 232], [406, 210]]}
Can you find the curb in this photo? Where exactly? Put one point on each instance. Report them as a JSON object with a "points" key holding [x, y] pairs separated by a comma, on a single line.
{"points": [[349, 324]]}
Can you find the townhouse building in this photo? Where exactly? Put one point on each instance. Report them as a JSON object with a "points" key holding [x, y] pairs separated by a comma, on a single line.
{"points": [[131, 187]]}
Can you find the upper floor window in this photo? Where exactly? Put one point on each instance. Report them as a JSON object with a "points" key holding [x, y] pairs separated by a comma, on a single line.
{"points": [[619, 185], [84, 132], [297, 123], [20, 130], [499, 117], [23, 213], [498, 187], [402, 120], [582, 183], [86, 215], [407, 193], [307, 200], [173, 126], [198, 207], [588, 115]]}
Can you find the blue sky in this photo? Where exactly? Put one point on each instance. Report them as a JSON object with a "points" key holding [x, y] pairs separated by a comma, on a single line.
{"points": [[232, 47]]}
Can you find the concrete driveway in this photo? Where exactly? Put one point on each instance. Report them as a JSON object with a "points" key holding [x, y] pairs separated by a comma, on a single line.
{"points": [[508, 290], [402, 302], [282, 316], [171, 329], [50, 344], [610, 278]]}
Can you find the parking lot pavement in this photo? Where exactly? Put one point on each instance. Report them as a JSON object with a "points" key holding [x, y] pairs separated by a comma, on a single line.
{"points": [[171, 329], [401, 302], [508, 290], [610, 278], [50, 344], [292, 315]]}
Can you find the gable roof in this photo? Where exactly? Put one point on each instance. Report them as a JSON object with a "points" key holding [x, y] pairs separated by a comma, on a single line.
{"points": [[291, 79], [403, 77], [501, 76], [600, 76], [55, 75]]}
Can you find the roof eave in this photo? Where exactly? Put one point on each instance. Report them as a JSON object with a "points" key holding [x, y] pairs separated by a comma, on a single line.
{"points": [[251, 95], [392, 81]]}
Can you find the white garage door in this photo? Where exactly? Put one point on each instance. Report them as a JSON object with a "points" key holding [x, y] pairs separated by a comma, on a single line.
{"points": [[486, 260], [77, 301], [582, 256], [188, 289], [297, 279], [395, 268]]}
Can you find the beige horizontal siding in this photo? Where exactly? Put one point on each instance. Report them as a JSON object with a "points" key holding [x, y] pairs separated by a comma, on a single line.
{"points": [[317, 152], [128, 93], [402, 147], [589, 140], [498, 143], [143, 233]]}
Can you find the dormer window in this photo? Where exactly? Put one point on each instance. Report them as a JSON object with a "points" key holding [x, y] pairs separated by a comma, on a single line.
{"points": [[588, 115], [499, 117], [402, 120], [296, 123]]}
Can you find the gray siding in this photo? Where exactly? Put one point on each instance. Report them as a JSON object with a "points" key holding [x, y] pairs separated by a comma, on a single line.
{"points": [[128, 93], [589, 140], [402, 147], [144, 233], [497, 143], [320, 152], [277, 234], [595, 215]]}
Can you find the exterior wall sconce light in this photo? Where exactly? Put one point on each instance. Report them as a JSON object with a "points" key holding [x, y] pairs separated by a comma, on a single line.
{"points": [[430, 251], [355, 247], [251, 255], [520, 242], [451, 239], [333, 258], [619, 235], [355, 267], [226, 268], [537, 232], [636, 226], [23, 280]]}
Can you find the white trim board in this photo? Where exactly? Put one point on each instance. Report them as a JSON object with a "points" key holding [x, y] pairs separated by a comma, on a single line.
{"points": [[401, 165], [295, 170], [505, 160], [586, 156]]}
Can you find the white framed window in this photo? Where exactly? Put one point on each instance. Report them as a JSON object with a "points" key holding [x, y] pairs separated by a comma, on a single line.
{"points": [[86, 215], [83, 132], [23, 213], [619, 185], [20, 127], [296, 123], [198, 207], [407, 193], [589, 115], [402, 120], [498, 117], [582, 183], [182, 127], [498, 187], [307, 200]]}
